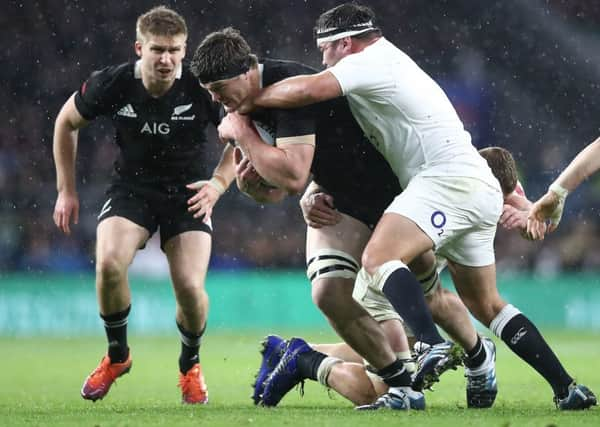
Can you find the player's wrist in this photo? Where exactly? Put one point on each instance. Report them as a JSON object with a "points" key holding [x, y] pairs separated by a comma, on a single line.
{"points": [[218, 183], [559, 191]]}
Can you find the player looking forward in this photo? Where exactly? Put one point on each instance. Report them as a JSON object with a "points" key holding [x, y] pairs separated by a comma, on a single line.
{"points": [[160, 113]]}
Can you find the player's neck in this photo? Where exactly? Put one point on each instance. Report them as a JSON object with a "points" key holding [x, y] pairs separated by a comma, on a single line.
{"points": [[247, 105], [362, 45], [156, 88]]}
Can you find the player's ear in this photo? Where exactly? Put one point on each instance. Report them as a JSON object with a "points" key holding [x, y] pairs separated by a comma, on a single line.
{"points": [[346, 44], [138, 48]]}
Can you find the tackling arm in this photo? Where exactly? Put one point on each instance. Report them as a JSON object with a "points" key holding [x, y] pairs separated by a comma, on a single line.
{"points": [[299, 91]]}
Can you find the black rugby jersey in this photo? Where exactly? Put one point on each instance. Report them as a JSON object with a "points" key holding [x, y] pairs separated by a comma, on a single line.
{"points": [[161, 140], [345, 163]]}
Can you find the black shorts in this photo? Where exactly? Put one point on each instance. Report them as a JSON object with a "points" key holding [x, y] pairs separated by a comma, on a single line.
{"points": [[362, 199], [367, 207], [153, 208]]}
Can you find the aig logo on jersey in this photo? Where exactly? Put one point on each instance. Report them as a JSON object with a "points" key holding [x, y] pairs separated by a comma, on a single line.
{"points": [[154, 128]]}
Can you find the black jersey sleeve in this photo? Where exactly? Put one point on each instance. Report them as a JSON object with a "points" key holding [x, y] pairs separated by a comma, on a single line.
{"points": [[102, 93], [294, 122], [297, 122]]}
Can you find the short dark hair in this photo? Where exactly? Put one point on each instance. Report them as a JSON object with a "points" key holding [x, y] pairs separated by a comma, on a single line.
{"points": [[160, 21], [223, 54], [346, 16], [503, 166]]}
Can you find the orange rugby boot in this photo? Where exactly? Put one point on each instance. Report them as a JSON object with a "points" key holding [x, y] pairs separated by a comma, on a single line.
{"points": [[98, 383], [193, 387]]}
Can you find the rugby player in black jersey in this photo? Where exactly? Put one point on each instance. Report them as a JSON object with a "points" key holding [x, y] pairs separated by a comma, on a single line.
{"points": [[342, 162], [160, 114]]}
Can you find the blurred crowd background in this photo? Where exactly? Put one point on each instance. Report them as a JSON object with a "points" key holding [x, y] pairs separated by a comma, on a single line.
{"points": [[523, 74]]}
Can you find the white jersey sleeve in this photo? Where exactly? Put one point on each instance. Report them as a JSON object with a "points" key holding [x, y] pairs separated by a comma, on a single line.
{"points": [[354, 76], [406, 115]]}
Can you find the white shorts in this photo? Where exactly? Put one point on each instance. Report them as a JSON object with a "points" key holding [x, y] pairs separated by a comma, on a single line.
{"points": [[373, 300], [459, 214], [376, 303]]}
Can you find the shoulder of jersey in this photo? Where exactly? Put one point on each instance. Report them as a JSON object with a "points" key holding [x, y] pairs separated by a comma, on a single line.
{"points": [[279, 69], [114, 75]]}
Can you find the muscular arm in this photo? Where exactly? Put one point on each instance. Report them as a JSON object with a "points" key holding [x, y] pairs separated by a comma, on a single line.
{"points": [[286, 165], [64, 149], [299, 91], [550, 206], [586, 163]]}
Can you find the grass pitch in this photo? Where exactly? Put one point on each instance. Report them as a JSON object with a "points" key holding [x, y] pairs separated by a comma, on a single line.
{"points": [[40, 380]]}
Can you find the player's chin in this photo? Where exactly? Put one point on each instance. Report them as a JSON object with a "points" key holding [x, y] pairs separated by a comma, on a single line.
{"points": [[165, 76]]}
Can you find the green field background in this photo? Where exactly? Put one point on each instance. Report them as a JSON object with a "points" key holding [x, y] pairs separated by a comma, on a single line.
{"points": [[51, 338], [253, 300], [41, 378]]}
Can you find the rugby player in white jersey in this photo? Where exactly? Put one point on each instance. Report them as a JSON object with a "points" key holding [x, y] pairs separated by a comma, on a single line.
{"points": [[224, 64], [451, 201], [350, 378]]}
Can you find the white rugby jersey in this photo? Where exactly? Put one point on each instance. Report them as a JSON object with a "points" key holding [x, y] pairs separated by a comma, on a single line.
{"points": [[407, 116]]}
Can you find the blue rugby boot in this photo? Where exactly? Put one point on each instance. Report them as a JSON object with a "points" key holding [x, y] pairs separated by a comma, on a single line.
{"points": [[286, 374], [579, 397], [482, 387], [433, 361], [398, 398], [272, 348]]}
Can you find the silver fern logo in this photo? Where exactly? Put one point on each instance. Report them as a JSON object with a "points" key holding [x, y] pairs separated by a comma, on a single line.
{"points": [[179, 110]]}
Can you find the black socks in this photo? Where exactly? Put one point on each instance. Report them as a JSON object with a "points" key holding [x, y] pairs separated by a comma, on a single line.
{"points": [[525, 341], [115, 326], [404, 292], [190, 346]]}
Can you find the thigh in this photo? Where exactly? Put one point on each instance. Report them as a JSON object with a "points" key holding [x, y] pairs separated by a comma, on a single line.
{"points": [[396, 237], [333, 258], [132, 203], [188, 255], [349, 236], [174, 218], [448, 208], [477, 288], [119, 239]]}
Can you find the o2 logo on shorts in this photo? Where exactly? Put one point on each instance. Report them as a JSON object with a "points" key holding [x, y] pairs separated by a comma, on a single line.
{"points": [[438, 220]]}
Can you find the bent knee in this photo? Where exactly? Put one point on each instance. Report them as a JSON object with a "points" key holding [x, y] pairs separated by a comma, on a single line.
{"points": [[329, 294], [110, 269], [189, 288], [485, 310], [370, 261]]}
